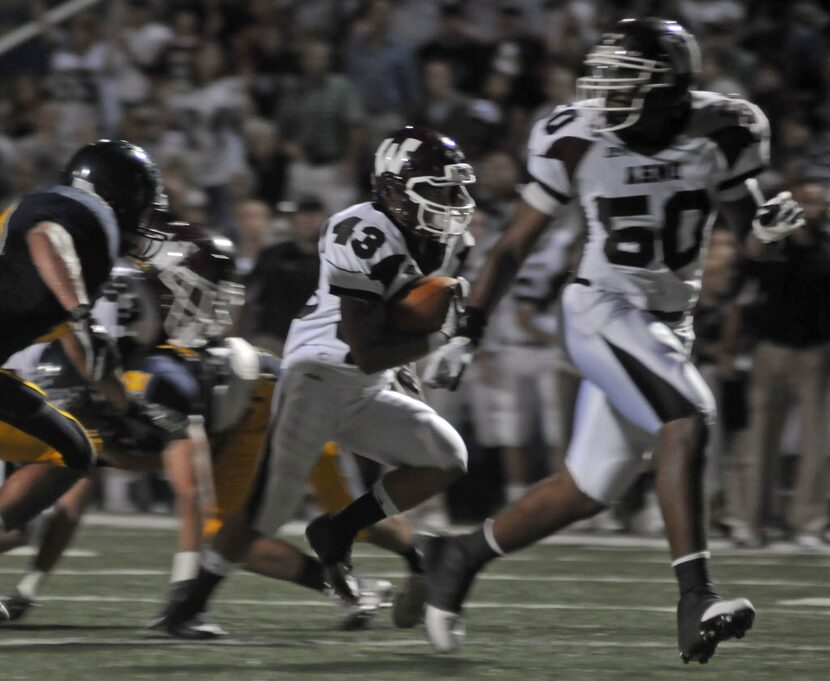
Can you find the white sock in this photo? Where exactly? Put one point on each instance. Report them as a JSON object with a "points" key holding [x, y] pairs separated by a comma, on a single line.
{"points": [[490, 537], [31, 584], [185, 566], [217, 564], [383, 499], [691, 556]]}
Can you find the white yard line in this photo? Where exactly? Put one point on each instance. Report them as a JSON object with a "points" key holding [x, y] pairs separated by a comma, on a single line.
{"points": [[487, 576], [359, 642]]}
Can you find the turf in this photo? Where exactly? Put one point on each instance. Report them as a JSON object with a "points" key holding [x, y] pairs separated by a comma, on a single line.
{"points": [[570, 612]]}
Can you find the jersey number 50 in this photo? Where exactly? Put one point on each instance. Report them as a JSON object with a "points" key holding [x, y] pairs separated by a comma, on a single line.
{"points": [[635, 246]]}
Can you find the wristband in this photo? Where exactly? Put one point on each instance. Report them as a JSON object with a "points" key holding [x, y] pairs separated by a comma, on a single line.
{"points": [[81, 313], [472, 324]]}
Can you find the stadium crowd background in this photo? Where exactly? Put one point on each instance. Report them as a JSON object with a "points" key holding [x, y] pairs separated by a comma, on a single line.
{"points": [[263, 116]]}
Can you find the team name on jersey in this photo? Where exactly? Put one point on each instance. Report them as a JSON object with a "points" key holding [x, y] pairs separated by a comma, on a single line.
{"points": [[653, 172]]}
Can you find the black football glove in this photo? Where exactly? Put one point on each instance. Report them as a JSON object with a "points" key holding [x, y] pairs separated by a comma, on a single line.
{"points": [[145, 427]]}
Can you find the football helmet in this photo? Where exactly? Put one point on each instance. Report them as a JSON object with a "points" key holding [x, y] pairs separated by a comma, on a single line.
{"points": [[123, 175], [642, 64], [193, 279], [420, 181]]}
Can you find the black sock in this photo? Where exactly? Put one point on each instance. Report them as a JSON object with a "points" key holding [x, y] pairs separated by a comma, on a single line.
{"points": [[477, 547], [311, 574], [194, 599], [693, 574], [361, 513], [413, 559]]}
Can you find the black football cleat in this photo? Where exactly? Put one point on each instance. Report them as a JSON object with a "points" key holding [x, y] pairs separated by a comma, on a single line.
{"points": [[410, 601], [336, 556], [14, 606], [704, 619], [180, 619], [449, 575]]}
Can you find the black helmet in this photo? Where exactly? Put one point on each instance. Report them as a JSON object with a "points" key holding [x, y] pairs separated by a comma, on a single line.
{"points": [[123, 175], [640, 64], [420, 179]]}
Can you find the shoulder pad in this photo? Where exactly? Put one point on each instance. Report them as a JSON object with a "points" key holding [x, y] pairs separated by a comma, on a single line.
{"points": [[712, 113]]}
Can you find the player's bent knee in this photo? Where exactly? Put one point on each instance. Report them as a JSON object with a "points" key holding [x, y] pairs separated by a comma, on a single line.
{"points": [[689, 433], [447, 449]]}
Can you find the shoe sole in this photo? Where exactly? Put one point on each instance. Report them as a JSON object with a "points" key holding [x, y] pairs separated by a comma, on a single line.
{"points": [[716, 629]]}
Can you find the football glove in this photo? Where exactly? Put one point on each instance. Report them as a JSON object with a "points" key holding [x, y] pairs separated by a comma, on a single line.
{"points": [[455, 312], [100, 349], [145, 427], [445, 367], [777, 218]]}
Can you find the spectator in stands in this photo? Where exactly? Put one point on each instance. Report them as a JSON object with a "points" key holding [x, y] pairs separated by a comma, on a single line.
{"points": [[142, 41], [25, 96], [46, 150], [177, 61], [382, 68], [442, 107], [457, 42], [266, 160], [82, 79], [321, 120], [792, 361], [210, 118], [519, 54], [254, 225], [283, 279], [558, 87]]}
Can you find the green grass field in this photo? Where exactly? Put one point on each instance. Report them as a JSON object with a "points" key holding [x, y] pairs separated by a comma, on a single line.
{"points": [[569, 611]]}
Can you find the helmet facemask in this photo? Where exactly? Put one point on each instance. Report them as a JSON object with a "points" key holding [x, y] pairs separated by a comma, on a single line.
{"points": [[619, 84], [441, 206], [200, 310]]}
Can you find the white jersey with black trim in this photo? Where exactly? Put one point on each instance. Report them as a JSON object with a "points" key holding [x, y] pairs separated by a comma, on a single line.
{"points": [[648, 216], [362, 254]]}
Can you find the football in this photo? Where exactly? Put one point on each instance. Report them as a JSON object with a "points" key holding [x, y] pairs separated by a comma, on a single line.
{"points": [[423, 306]]}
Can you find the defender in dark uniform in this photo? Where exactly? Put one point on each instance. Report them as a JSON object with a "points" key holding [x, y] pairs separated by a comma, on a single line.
{"points": [[57, 247]]}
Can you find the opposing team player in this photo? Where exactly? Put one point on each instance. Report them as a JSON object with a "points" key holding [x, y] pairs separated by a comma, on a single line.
{"points": [[650, 161], [339, 353], [57, 247], [171, 318]]}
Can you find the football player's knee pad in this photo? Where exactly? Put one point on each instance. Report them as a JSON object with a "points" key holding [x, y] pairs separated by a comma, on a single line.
{"points": [[445, 448]]}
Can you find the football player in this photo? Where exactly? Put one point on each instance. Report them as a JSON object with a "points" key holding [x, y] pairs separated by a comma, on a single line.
{"points": [[184, 300], [57, 247], [650, 161], [338, 360]]}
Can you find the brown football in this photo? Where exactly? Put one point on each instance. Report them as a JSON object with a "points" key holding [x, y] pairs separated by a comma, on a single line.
{"points": [[423, 307]]}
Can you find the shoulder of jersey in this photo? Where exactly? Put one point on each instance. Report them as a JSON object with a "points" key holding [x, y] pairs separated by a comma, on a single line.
{"points": [[368, 214], [566, 120], [714, 114]]}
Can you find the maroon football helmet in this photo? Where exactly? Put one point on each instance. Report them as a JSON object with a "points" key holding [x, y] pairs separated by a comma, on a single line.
{"points": [[420, 180]]}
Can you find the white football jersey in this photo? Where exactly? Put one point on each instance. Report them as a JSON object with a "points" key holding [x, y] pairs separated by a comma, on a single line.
{"points": [[362, 254], [648, 216]]}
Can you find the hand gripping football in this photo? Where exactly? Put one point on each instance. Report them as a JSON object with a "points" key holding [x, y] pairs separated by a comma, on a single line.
{"points": [[423, 307]]}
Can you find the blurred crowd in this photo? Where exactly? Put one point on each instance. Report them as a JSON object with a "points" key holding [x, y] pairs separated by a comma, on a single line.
{"points": [[263, 116]]}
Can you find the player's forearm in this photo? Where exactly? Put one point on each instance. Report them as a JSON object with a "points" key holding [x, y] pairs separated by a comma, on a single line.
{"points": [[390, 350], [53, 254], [507, 256]]}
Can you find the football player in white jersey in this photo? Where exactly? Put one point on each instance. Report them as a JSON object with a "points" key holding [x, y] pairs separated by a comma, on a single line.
{"points": [[336, 373], [650, 161]]}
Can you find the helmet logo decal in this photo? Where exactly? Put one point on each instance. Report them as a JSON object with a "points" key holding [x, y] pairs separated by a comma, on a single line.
{"points": [[391, 156]]}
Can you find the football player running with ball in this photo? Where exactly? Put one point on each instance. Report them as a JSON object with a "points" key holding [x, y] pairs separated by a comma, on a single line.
{"points": [[336, 373], [650, 161]]}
